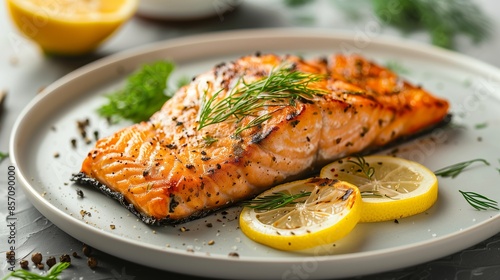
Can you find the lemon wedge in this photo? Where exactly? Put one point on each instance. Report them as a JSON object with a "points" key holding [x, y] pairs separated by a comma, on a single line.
{"points": [[391, 187], [69, 27], [326, 211]]}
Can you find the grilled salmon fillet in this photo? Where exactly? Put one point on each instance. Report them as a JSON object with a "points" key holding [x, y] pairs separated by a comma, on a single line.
{"points": [[170, 169]]}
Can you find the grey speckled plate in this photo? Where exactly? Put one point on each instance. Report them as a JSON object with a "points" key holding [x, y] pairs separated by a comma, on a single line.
{"points": [[45, 128]]}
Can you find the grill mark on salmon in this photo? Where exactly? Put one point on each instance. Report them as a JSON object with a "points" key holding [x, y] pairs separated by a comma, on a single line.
{"points": [[163, 171]]}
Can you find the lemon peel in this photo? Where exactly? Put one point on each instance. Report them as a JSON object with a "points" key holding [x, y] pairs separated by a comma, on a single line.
{"points": [[398, 187], [68, 27], [331, 211]]}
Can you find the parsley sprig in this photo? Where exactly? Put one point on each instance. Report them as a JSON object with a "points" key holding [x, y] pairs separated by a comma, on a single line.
{"points": [[143, 94]]}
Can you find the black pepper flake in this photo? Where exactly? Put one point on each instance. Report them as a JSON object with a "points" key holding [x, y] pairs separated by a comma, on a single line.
{"points": [[171, 146], [79, 193], [234, 254], [338, 140], [205, 158], [209, 225], [73, 142], [189, 166], [396, 221]]}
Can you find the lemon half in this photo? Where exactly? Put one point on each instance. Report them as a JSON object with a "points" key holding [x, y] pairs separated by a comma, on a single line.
{"points": [[69, 27], [328, 213], [391, 187]]}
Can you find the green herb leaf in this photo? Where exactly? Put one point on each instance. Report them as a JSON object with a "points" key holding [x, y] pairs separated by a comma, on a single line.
{"points": [[282, 87], [274, 201], [481, 125], [455, 169], [479, 202], [143, 94], [209, 140], [365, 168], [3, 156], [52, 274], [444, 20]]}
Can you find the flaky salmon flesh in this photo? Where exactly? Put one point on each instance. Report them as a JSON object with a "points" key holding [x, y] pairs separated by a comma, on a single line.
{"points": [[184, 163]]}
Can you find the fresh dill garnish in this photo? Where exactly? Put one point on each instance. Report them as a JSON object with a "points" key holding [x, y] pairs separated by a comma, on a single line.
{"points": [[481, 125], [143, 94], [397, 67], [3, 156], [274, 201], [282, 87], [479, 202], [209, 140], [365, 168], [455, 169], [52, 274], [444, 20], [296, 3]]}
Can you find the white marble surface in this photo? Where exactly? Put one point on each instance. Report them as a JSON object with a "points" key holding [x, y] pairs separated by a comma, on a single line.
{"points": [[24, 71]]}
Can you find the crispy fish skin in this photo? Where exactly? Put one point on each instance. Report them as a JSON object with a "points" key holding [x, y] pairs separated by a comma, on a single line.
{"points": [[165, 171]]}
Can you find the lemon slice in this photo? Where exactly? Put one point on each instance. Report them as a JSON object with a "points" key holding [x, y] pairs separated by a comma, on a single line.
{"points": [[70, 27], [328, 213], [391, 188]]}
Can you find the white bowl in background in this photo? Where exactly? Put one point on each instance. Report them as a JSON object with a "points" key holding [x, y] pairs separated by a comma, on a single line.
{"points": [[181, 10]]}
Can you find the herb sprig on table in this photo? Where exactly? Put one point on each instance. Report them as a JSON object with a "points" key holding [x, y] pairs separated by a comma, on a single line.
{"points": [[52, 274], [144, 94], [478, 201], [444, 20]]}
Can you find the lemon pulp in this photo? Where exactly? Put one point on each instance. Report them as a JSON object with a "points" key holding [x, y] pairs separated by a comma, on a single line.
{"points": [[69, 27], [396, 189], [329, 213]]}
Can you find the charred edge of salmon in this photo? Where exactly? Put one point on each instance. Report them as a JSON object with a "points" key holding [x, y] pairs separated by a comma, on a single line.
{"points": [[82, 179], [403, 139]]}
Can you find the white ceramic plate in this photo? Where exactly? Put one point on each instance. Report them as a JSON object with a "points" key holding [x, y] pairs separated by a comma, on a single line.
{"points": [[48, 124]]}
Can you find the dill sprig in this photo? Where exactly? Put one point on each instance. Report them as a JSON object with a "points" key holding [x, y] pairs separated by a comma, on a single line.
{"points": [[365, 168], [444, 20], [282, 87], [52, 274], [479, 202], [274, 201], [457, 168], [143, 94]]}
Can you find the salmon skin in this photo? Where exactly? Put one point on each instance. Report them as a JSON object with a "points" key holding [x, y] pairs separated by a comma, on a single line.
{"points": [[170, 169]]}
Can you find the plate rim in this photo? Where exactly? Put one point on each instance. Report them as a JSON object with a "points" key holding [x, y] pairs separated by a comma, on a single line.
{"points": [[450, 56]]}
